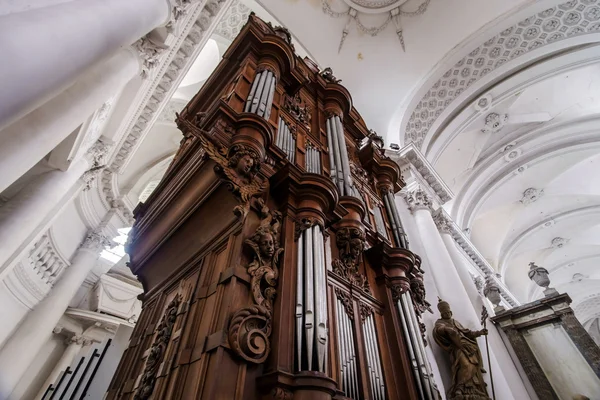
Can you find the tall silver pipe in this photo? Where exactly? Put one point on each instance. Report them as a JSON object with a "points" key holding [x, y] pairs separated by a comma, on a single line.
{"points": [[344, 153], [386, 202], [288, 142], [300, 300], [279, 133], [264, 96], [307, 158], [269, 105], [375, 356], [421, 345], [416, 337], [320, 298], [353, 366], [378, 368], [342, 348], [309, 311], [258, 93], [401, 233], [411, 350], [370, 358], [337, 156], [252, 92], [293, 149], [332, 167]]}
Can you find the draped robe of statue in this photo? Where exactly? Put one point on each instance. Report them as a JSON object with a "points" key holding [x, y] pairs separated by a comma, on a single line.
{"points": [[467, 364]]}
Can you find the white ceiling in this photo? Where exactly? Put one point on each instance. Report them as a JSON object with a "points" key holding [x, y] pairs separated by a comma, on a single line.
{"points": [[541, 147]]}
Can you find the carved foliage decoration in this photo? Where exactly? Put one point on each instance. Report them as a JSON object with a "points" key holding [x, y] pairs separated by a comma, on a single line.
{"points": [[346, 300], [365, 310], [238, 167], [250, 327], [157, 350], [298, 109], [302, 225], [350, 243]]}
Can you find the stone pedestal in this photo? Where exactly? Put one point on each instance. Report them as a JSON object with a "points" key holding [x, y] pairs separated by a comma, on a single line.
{"points": [[559, 357]]}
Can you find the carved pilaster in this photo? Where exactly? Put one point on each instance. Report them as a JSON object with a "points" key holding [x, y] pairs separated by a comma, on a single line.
{"points": [[418, 199]]}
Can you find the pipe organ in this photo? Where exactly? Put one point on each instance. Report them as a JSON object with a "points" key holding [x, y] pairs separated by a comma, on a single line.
{"points": [[273, 259]]}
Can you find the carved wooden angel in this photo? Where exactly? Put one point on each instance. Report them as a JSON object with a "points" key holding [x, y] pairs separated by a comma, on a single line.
{"points": [[239, 169]]}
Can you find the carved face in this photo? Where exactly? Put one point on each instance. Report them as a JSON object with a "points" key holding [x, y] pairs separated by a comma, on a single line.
{"points": [[447, 314], [418, 288], [266, 245], [244, 165], [356, 248]]}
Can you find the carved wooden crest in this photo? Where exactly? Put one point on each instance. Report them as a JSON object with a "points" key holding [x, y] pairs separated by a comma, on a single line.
{"points": [[250, 327], [298, 109], [346, 300], [417, 291]]}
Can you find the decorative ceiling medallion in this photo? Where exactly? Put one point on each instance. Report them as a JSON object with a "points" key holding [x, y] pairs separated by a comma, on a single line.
{"points": [[531, 195], [483, 103], [494, 122], [393, 9], [558, 242]]}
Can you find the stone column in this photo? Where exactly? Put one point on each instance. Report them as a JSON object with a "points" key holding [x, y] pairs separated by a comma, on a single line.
{"points": [[21, 349], [23, 214], [74, 346], [52, 46], [29, 139]]}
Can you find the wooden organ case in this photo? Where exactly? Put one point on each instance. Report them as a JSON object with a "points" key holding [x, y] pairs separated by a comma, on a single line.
{"points": [[272, 256]]}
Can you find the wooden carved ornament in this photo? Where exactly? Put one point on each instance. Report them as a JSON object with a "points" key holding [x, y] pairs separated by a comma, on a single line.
{"points": [[350, 243]]}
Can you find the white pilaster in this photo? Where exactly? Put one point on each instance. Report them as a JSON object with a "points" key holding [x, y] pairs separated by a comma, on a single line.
{"points": [[29, 139], [21, 348], [50, 47], [21, 216], [502, 363]]}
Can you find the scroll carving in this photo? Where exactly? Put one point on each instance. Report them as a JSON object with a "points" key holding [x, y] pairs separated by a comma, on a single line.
{"points": [[157, 350], [365, 310], [298, 109], [250, 327], [281, 394], [350, 243], [238, 167], [327, 74], [346, 300], [397, 290]]}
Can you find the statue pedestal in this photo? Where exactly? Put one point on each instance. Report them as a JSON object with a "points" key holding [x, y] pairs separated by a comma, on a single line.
{"points": [[557, 354]]}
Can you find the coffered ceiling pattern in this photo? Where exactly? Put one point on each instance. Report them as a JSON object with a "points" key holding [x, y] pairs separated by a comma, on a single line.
{"points": [[555, 24]]}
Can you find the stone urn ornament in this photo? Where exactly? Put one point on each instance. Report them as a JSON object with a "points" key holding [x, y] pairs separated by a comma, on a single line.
{"points": [[492, 292], [540, 276]]}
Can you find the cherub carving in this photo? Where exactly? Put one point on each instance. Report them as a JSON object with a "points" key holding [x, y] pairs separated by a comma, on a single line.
{"points": [[239, 168], [263, 268], [417, 290]]}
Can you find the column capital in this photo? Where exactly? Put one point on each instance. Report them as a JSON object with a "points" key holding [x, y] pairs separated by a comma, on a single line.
{"points": [[149, 51], [442, 221], [98, 153], [96, 241], [418, 199]]}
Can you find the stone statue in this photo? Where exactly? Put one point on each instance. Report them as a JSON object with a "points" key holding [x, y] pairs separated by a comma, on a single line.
{"points": [[467, 364]]}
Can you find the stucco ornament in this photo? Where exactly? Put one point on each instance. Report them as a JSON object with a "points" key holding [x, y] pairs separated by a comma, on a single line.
{"points": [[389, 10]]}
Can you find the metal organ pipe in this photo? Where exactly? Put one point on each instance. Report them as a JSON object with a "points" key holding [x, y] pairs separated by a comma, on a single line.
{"points": [[402, 237], [332, 167], [270, 98], [370, 360], [344, 154], [375, 345], [386, 202], [320, 299], [258, 93], [336, 154], [411, 350], [416, 337], [341, 348], [299, 301], [252, 92], [309, 311]]}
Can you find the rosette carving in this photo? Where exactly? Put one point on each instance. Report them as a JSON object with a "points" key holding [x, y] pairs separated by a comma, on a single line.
{"points": [[250, 327]]}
